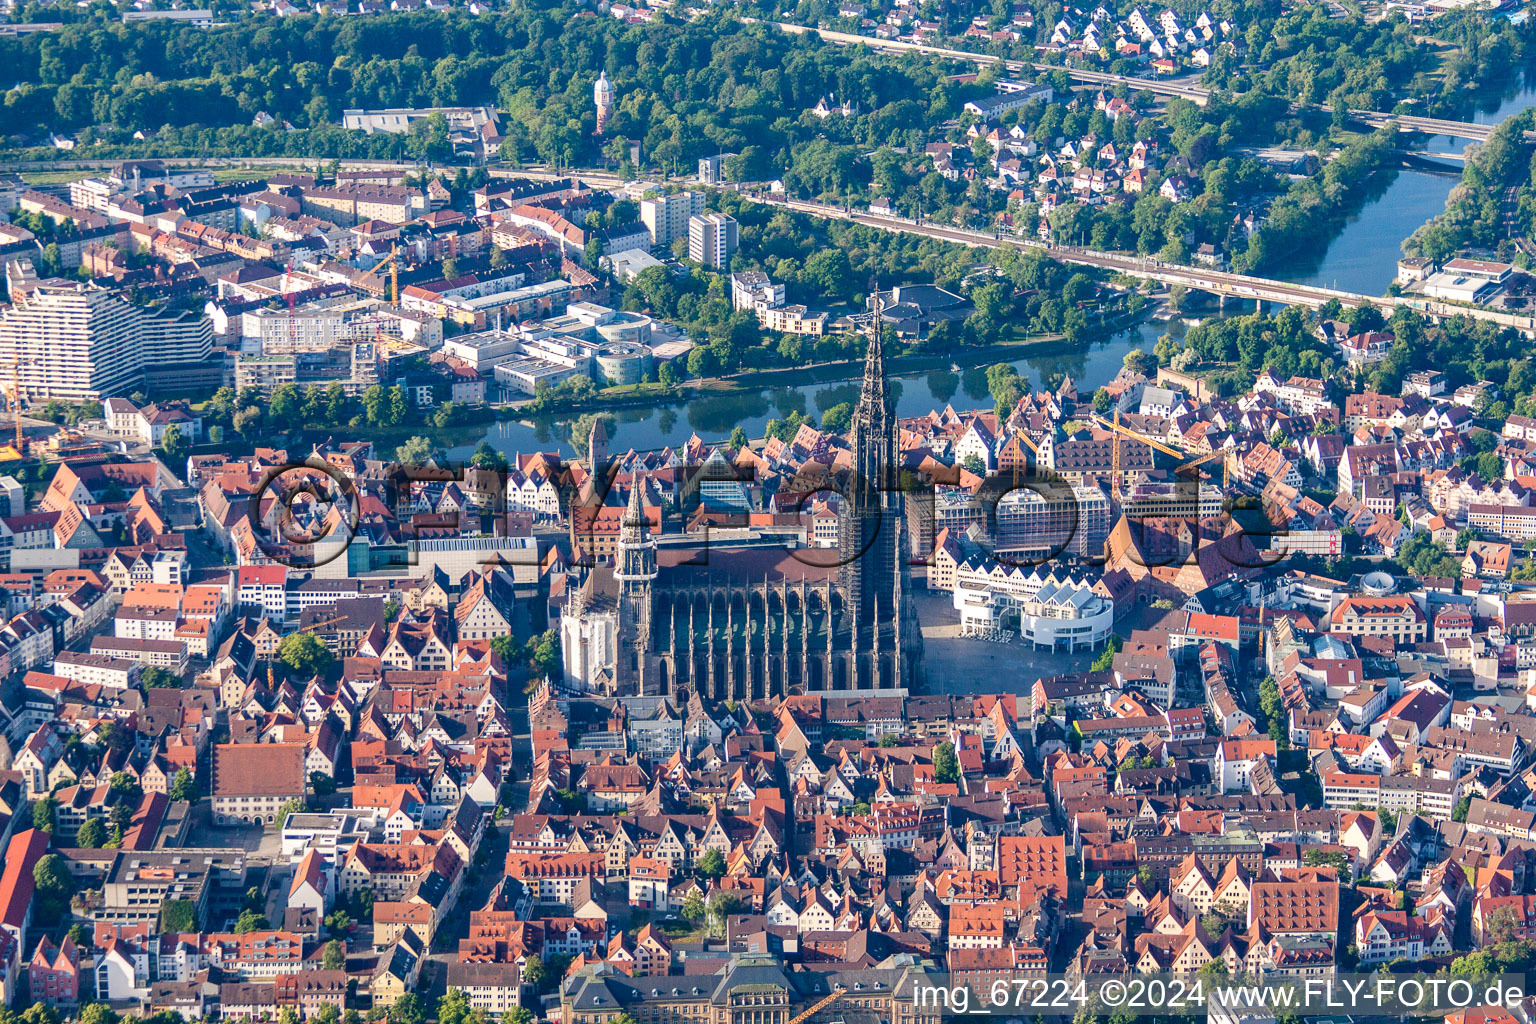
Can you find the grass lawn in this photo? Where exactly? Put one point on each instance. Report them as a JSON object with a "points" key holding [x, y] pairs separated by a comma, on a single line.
{"points": [[223, 174], [54, 177]]}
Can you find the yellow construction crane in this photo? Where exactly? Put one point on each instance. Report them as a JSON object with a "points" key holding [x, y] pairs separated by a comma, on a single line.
{"points": [[1116, 430], [1137, 435], [321, 624], [1032, 447], [816, 1008], [393, 261], [1226, 466]]}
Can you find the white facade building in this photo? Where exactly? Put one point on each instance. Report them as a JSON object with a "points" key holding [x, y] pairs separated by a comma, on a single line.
{"points": [[666, 217], [711, 239], [1048, 611]]}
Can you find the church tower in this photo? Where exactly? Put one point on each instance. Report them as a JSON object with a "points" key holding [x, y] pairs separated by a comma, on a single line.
{"points": [[597, 447], [602, 98], [634, 570], [871, 529]]}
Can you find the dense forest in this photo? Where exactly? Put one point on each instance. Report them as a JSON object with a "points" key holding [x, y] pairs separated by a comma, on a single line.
{"points": [[683, 91], [1465, 349], [1494, 200], [1308, 56]]}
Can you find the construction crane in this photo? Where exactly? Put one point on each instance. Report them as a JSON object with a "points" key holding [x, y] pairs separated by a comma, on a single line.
{"points": [[1116, 430], [1137, 435], [1024, 437], [393, 262], [1226, 466], [817, 1007], [321, 624]]}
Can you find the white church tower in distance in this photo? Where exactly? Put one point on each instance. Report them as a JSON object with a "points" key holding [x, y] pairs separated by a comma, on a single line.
{"points": [[602, 96]]}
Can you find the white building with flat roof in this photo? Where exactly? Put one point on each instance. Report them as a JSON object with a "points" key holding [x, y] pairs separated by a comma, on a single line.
{"points": [[666, 217], [629, 264], [712, 238], [74, 341], [1047, 611]]}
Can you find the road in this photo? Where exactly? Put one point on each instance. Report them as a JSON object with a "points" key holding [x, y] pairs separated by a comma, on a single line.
{"points": [[1158, 87], [1217, 282]]}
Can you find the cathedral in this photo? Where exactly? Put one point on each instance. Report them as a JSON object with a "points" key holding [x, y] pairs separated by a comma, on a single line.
{"points": [[753, 622]]}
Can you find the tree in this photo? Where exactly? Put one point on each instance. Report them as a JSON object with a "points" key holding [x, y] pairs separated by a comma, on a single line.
{"points": [[157, 678], [294, 806], [973, 464], [533, 972], [546, 653], [92, 834], [1500, 926], [173, 444], [1459, 812], [738, 438], [42, 814], [98, 1013], [486, 457], [183, 785], [407, 1010], [334, 957], [508, 648], [250, 921], [890, 739], [946, 766], [693, 906], [321, 783], [415, 452], [52, 886], [837, 419], [592, 255], [247, 422], [304, 653], [178, 916], [338, 921], [1336, 859], [1105, 662], [581, 428], [721, 906], [453, 1008], [126, 786], [710, 865]]}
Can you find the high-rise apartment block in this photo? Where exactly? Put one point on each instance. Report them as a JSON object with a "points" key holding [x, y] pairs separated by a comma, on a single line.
{"points": [[72, 341], [711, 240], [666, 217]]}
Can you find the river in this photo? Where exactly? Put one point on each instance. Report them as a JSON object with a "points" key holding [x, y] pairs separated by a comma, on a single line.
{"points": [[1361, 258], [1491, 109], [713, 417]]}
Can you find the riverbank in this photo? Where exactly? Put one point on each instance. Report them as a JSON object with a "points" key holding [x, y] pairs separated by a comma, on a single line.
{"points": [[831, 372], [650, 424]]}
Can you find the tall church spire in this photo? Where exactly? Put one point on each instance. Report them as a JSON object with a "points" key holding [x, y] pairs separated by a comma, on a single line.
{"points": [[637, 547], [634, 527], [873, 393]]}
